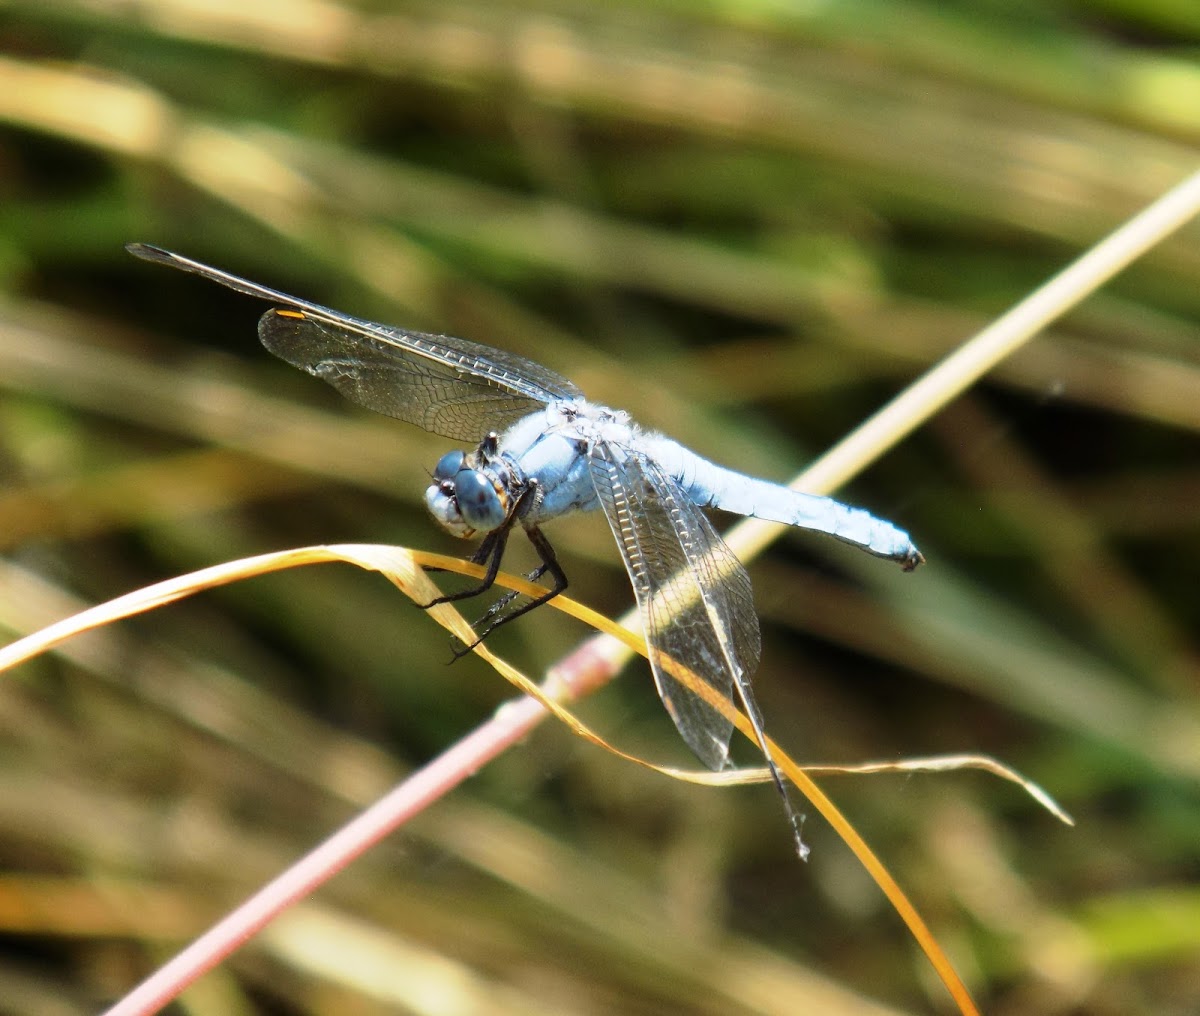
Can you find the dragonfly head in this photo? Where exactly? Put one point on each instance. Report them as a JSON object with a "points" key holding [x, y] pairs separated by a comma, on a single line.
{"points": [[465, 501]]}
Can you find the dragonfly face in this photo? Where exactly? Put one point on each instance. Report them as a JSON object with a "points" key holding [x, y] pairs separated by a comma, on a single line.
{"points": [[466, 501]]}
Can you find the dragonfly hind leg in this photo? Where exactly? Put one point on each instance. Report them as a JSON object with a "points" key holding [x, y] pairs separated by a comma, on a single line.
{"points": [[507, 598]]}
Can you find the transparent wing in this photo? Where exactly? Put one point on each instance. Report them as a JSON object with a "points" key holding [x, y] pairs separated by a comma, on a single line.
{"points": [[446, 385], [694, 595]]}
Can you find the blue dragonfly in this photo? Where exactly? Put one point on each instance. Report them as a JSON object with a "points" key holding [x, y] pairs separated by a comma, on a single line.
{"points": [[542, 450]]}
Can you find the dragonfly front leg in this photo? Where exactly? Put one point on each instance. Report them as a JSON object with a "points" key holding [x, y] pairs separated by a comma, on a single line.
{"points": [[491, 551], [549, 564]]}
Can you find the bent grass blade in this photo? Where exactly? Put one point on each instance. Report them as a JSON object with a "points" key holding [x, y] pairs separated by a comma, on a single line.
{"points": [[405, 569]]}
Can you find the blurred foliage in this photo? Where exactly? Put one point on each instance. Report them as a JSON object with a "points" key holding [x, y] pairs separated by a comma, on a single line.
{"points": [[748, 222]]}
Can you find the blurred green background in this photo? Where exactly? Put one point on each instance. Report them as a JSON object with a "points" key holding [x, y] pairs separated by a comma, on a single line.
{"points": [[749, 223]]}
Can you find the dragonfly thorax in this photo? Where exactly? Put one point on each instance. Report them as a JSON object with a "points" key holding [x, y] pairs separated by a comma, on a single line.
{"points": [[474, 494]]}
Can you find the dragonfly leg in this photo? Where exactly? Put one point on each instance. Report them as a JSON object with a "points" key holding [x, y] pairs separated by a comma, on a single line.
{"points": [[507, 598], [490, 551], [481, 555], [549, 564]]}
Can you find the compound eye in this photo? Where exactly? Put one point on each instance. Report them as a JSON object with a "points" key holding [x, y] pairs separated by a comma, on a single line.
{"points": [[449, 465], [478, 501]]}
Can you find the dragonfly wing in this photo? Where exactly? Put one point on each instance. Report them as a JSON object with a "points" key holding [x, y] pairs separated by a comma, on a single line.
{"points": [[449, 386], [694, 595]]}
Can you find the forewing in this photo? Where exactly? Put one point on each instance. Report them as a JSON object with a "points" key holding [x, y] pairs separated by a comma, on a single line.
{"points": [[446, 385], [449, 386], [694, 595]]}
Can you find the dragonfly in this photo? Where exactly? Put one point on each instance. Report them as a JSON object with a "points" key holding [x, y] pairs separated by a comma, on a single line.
{"points": [[536, 450]]}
